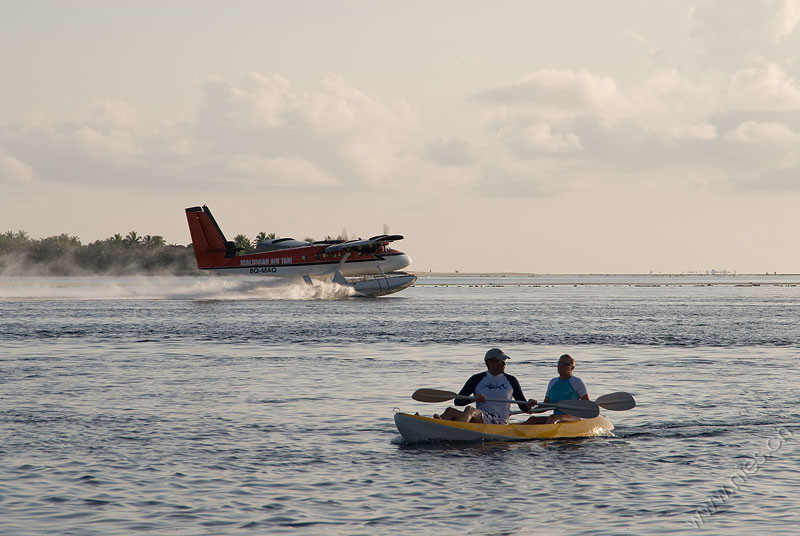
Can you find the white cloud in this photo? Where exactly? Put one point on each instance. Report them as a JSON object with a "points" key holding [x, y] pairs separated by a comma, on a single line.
{"points": [[269, 101], [339, 105], [668, 91], [114, 115], [556, 92], [172, 139], [787, 18], [699, 131], [115, 146], [13, 171], [752, 131], [259, 100], [375, 157], [279, 171], [764, 86], [336, 134], [347, 132], [540, 137]]}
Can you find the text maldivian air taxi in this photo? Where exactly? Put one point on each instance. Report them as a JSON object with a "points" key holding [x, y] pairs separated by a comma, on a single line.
{"points": [[369, 266]]}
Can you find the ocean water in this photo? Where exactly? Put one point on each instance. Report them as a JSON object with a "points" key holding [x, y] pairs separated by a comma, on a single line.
{"points": [[210, 405]]}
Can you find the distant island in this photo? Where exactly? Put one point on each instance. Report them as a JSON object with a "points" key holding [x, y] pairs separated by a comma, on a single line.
{"points": [[64, 255]]}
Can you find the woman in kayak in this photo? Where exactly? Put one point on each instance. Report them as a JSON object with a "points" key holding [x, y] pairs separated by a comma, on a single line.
{"points": [[564, 387], [494, 383]]}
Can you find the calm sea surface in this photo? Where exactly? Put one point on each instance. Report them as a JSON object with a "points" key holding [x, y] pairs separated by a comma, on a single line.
{"points": [[213, 405]]}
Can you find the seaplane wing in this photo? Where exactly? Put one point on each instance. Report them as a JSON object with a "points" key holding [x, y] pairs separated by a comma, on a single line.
{"points": [[370, 245], [369, 266]]}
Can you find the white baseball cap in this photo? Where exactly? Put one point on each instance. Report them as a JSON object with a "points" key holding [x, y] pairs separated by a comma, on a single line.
{"points": [[495, 354]]}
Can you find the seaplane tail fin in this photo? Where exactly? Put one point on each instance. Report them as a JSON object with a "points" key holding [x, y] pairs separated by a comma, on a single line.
{"points": [[208, 241]]}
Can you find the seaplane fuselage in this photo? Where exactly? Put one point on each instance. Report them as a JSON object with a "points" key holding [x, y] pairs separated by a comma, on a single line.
{"points": [[312, 261]]}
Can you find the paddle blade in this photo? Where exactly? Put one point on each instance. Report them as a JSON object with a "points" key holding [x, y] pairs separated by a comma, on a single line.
{"points": [[433, 395], [616, 401], [585, 409]]}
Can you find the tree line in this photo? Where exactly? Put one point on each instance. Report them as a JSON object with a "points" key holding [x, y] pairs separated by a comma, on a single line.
{"points": [[64, 255]]}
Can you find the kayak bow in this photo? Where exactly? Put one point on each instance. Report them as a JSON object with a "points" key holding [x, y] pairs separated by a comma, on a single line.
{"points": [[416, 428]]}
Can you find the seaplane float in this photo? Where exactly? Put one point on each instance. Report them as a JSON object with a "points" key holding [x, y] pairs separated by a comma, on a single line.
{"points": [[587, 421], [370, 267]]}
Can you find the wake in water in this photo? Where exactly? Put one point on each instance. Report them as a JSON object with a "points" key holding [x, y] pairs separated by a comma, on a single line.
{"points": [[167, 288]]}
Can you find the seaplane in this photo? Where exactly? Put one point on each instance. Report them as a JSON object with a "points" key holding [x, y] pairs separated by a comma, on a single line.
{"points": [[370, 267]]}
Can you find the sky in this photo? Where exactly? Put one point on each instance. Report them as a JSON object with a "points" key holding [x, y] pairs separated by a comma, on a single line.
{"points": [[516, 136]]}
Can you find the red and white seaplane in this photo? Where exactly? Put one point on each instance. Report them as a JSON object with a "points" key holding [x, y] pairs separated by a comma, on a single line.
{"points": [[368, 266]]}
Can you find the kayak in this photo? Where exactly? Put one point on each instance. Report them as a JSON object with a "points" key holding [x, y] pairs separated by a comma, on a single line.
{"points": [[416, 428]]}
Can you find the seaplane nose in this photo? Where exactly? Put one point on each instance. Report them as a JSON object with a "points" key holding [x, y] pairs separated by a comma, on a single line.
{"points": [[403, 261]]}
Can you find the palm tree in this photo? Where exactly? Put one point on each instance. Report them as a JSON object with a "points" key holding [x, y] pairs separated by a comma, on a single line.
{"points": [[263, 237], [132, 239], [153, 241], [241, 241], [10, 241]]}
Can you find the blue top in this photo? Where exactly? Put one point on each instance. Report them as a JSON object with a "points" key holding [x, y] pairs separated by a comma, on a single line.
{"points": [[570, 389]]}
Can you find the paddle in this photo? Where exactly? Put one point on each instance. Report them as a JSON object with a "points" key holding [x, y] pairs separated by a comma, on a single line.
{"points": [[585, 409], [616, 401]]}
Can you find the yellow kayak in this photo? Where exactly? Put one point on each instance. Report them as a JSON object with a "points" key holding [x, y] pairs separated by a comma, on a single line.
{"points": [[415, 428]]}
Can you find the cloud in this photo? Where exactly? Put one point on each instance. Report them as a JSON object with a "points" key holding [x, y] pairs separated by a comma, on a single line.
{"points": [[765, 86], [451, 152], [786, 19], [259, 101], [116, 146], [731, 30], [540, 137], [690, 115], [334, 134], [264, 101], [349, 133], [13, 171], [535, 140], [556, 92], [279, 171], [753, 132], [534, 133], [114, 114]]}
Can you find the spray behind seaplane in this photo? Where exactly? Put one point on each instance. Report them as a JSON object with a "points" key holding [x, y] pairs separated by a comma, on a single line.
{"points": [[368, 266]]}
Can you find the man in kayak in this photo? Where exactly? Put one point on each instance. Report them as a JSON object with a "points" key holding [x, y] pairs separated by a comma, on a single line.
{"points": [[564, 387], [495, 384]]}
